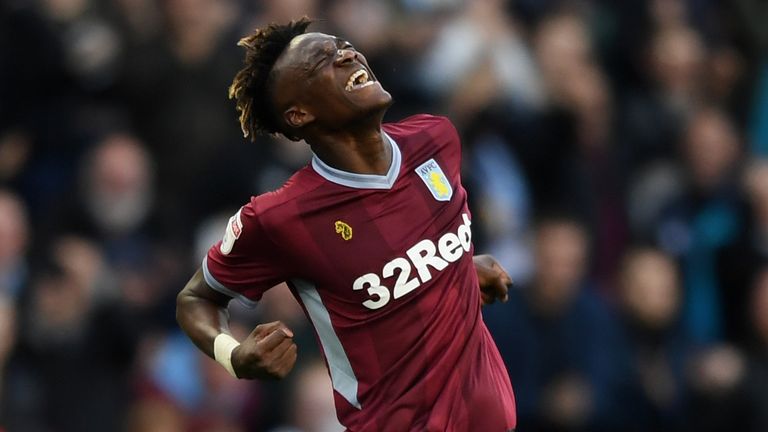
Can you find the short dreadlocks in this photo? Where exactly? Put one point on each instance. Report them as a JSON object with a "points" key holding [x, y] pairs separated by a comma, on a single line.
{"points": [[251, 87]]}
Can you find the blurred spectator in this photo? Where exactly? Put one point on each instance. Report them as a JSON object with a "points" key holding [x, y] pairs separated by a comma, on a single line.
{"points": [[115, 195], [91, 46], [652, 117], [572, 163], [740, 263], [176, 89], [653, 386], [502, 204], [719, 398], [114, 204], [706, 218], [14, 239], [478, 58], [72, 332], [557, 338]]}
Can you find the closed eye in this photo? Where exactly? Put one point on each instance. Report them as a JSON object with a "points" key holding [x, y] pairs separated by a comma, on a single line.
{"points": [[327, 53]]}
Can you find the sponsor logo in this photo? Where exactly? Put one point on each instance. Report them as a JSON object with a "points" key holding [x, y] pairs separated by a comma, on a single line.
{"points": [[231, 233], [343, 229], [425, 256], [437, 183]]}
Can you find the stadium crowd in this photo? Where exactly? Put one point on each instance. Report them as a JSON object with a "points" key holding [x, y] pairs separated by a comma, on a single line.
{"points": [[616, 154]]}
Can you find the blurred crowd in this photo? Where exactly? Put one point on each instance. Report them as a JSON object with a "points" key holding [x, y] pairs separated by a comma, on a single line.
{"points": [[616, 154]]}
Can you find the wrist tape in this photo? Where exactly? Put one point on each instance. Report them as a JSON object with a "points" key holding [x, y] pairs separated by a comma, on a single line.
{"points": [[223, 346]]}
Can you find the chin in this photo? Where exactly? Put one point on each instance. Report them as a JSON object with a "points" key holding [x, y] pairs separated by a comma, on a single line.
{"points": [[378, 103]]}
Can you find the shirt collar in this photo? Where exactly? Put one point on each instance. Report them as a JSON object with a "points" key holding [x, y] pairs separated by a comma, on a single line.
{"points": [[361, 181]]}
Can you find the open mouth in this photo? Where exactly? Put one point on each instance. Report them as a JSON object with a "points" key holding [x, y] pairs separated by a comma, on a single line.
{"points": [[358, 80]]}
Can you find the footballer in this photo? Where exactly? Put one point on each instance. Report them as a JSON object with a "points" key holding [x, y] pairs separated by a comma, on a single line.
{"points": [[374, 239]]}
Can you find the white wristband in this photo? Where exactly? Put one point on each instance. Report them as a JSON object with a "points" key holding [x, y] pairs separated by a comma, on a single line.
{"points": [[223, 346]]}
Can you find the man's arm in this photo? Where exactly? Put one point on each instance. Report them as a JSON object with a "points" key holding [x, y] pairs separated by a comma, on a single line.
{"points": [[493, 279], [268, 352]]}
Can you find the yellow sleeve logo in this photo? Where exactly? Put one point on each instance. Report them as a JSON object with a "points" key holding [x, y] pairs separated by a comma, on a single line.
{"points": [[343, 229]]}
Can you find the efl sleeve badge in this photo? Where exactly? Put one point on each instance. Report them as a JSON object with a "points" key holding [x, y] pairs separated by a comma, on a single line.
{"points": [[231, 233]]}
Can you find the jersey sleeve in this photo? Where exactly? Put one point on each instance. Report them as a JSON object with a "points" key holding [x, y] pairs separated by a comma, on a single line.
{"points": [[245, 263]]}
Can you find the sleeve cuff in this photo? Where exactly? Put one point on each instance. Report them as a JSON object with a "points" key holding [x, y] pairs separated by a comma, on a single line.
{"points": [[218, 286]]}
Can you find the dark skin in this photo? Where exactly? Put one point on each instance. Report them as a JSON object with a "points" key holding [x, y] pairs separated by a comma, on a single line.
{"points": [[343, 127]]}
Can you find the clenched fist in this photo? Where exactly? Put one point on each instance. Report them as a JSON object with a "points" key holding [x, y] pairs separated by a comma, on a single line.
{"points": [[493, 279], [267, 353]]}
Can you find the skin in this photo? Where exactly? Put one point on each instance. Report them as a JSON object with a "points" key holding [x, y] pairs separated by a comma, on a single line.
{"points": [[344, 130]]}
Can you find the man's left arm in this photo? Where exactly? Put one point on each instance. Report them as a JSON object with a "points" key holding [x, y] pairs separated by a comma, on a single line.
{"points": [[494, 280]]}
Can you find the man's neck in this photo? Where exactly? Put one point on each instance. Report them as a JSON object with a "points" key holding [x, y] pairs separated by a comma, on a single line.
{"points": [[360, 152]]}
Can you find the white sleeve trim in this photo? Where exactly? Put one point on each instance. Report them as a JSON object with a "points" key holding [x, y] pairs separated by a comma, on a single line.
{"points": [[216, 285]]}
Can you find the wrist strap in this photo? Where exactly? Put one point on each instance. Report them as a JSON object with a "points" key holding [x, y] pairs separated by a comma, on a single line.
{"points": [[223, 346]]}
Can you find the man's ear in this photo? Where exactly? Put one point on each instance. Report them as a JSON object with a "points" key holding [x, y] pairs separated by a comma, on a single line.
{"points": [[296, 117]]}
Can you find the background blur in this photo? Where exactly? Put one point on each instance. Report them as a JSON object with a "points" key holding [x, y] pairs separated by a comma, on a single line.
{"points": [[616, 153]]}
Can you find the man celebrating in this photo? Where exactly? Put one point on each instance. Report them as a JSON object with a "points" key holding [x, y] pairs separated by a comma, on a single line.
{"points": [[374, 240]]}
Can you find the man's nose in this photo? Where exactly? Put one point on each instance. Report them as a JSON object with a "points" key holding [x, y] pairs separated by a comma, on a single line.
{"points": [[345, 56]]}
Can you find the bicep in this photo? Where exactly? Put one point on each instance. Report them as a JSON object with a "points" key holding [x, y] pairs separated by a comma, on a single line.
{"points": [[198, 288]]}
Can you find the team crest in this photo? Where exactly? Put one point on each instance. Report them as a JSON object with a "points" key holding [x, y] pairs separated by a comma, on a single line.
{"points": [[437, 183], [232, 233], [343, 229]]}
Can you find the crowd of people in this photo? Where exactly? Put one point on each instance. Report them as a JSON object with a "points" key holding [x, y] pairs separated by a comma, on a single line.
{"points": [[615, 152]]}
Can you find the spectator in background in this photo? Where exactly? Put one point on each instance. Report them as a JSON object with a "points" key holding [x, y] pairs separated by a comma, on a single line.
{"points": [[176, 89], [717, 386], [571, 161], [741, 262], [71, 366], [557, 338], [697, 225], [651, 117], [42, 99], [14, 239], [114, 205], [502, 202], [115, 196], [91, 45], [656, 349], [479, 58]]}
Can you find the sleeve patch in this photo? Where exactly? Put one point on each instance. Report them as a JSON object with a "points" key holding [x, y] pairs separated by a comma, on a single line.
{"points": [[231, 233]]}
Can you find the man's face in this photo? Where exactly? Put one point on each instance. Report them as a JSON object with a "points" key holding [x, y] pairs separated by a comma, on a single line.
{"points": [[329, 80]]}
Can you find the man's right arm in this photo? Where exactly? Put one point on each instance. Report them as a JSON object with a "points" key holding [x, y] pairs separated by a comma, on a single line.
{"points": [[267, 353]]}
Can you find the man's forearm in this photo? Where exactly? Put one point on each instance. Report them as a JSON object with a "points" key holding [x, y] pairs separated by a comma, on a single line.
{"points": [[201, 315]]}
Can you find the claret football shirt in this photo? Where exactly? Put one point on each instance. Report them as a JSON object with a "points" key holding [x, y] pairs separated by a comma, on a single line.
{"points": [[382, 266]]}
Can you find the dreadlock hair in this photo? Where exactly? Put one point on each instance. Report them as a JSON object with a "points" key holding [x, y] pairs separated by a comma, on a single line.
{"points": [[251, 87]]}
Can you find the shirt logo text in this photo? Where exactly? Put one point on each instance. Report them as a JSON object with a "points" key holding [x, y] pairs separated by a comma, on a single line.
{"points": [[450, 248]]}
